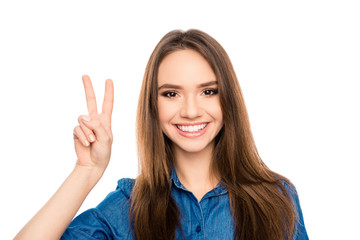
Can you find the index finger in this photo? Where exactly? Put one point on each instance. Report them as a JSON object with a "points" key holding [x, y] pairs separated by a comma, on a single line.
{"points": [[90, 95], [108, 98]]}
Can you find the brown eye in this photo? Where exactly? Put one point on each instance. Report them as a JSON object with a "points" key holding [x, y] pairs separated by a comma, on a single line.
{"points": [[169, 94], [210, 91]]}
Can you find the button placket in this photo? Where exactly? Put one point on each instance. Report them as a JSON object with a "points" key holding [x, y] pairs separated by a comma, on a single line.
{"points": [[203, 221]]}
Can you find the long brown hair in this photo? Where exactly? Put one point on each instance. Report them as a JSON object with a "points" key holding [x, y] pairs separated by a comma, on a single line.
{"points": [[260, 204]]}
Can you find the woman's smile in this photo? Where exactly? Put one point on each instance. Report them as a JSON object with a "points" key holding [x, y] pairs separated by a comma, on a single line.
{"points": [[191, 130]]}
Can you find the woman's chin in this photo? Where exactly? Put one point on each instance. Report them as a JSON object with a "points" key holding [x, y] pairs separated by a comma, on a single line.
{"points": [[192, 148]]}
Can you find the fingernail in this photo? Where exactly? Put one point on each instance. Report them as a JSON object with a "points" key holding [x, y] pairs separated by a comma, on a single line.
{"points": [[86, 118], [87, 143], [92, 138]]}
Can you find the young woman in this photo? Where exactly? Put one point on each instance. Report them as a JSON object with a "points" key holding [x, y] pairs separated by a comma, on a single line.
{"points": [[201, 176]]}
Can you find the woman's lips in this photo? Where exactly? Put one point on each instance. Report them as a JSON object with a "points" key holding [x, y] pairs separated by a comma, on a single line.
{"points": [[191, 134]]}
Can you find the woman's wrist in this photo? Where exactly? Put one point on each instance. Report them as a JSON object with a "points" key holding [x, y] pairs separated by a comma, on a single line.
{"points": [[90, 174]]}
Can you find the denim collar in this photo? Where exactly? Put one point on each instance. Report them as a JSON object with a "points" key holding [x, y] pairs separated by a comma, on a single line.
{"points": [[217, 191]]}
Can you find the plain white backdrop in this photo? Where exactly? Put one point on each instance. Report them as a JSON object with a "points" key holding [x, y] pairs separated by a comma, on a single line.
{"points": [[298, 64]]}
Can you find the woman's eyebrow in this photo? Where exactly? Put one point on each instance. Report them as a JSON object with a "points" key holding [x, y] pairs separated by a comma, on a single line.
{"points": [[173, 86]]}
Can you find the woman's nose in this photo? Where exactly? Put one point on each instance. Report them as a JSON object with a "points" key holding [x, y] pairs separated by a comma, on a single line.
{"points": [[191, 108]]}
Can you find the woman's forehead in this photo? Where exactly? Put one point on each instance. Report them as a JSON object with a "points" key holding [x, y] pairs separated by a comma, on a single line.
{"points": [[185, 66]]}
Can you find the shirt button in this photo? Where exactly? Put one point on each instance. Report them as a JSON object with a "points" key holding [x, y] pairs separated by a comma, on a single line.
{"points": [[198, 228]]}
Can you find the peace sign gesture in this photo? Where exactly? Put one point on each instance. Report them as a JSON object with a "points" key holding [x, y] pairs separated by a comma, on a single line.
{"points": [[93, 137]]}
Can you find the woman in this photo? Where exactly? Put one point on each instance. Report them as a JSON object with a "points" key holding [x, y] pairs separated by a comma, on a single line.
{"points": [[201, 176]]}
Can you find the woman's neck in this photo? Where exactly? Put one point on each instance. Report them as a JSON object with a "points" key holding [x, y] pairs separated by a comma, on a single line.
{"points": [[195, 171]]}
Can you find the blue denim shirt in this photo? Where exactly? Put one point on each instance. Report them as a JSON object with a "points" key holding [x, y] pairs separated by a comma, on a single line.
{"points": [[208, 219]]}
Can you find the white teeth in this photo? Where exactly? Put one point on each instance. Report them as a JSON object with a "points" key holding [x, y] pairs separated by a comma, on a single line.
{"points": [[194, 128]]}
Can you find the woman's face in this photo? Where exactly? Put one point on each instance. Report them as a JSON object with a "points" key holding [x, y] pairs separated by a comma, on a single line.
{"points": [[188, 101]]}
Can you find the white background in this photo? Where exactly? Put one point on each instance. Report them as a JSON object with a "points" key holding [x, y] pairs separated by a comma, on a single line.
{"points": [[298, 64]]}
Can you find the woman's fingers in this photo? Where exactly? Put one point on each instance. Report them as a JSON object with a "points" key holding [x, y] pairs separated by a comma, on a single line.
{"points": [[88, 133], [95, 126], [108, 103], [79, 134], [90, 95]]}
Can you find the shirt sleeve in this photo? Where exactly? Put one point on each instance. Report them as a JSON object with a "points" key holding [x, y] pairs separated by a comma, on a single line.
{"points": [[299, 230], [109, 220]]}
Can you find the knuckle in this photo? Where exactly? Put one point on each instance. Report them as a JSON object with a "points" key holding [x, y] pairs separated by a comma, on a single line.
{"points": [[107, 139], [76, 132], [76, 129], [79, 119]]}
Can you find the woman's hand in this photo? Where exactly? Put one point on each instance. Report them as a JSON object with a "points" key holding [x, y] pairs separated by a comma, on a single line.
{"points": [[93, 137]]}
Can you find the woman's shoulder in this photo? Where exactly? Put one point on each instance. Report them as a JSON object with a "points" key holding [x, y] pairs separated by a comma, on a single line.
{"points": [[109, 219], [119, 196], [125, 185], [288, 185], [291, 191], [300, 230]]}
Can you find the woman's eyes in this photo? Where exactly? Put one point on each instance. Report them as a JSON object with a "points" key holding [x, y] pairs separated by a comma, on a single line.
{"points": [[210, 91], [169, 94], [207, 92]]}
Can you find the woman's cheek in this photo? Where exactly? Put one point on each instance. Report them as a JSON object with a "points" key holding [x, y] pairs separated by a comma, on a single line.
{"points": [[166, 110]]}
